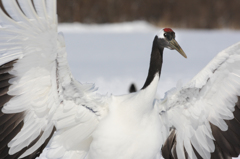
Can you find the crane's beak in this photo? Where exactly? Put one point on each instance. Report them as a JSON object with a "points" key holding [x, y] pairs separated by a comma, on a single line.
{"points": [[174, 45]]}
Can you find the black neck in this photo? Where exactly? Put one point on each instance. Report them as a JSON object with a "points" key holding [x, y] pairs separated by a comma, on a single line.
{"points": [[155, 62]]}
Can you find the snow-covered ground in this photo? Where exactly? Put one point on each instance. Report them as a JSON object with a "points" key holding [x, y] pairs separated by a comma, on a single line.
{"points": [[115, 55]]}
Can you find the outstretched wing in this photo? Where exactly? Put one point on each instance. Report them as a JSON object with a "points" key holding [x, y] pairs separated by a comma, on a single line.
{"points": [[37, 91], [204, 115]]}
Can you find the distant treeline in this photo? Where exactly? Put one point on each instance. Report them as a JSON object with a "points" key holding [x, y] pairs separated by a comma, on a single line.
{"points": [[173, 13]]}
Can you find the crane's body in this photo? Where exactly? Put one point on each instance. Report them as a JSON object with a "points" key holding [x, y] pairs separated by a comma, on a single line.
{"points": [[124, 135]]}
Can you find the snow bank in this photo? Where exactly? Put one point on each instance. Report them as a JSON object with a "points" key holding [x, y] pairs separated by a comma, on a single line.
{"points": [[137, 26]]}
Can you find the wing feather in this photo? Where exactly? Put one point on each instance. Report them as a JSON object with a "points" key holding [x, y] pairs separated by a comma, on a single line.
{"points": [[205, 112], [8, 22], [38, 93], [26, 121], [14, 11], [52, 10], [40, 8], [27, 7]]}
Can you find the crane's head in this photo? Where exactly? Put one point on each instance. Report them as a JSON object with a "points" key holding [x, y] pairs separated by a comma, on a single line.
{"points": [[166, 39]]}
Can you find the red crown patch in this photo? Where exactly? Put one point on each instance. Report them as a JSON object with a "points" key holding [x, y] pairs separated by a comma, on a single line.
{"points": [[168, 30]]}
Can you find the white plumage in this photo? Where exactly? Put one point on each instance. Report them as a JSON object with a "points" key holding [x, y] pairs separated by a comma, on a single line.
{"points": [[44, 97]]}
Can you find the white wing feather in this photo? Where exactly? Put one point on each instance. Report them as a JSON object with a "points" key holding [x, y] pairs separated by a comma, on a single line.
{"points": [[210, 97], [43, 87]]}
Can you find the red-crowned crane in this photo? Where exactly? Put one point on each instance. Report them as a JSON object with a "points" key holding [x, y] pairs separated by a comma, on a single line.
{"points": [[39, 96]]}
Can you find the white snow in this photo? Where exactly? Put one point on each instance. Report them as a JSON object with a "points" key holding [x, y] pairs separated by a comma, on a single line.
{"points": [[114, 55]]}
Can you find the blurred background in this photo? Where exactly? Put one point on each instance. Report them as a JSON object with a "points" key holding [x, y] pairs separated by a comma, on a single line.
{"points": [[207, 14]]}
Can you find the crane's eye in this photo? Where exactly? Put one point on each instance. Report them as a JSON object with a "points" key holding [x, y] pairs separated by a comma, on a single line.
{"points": [[165, 35]]}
